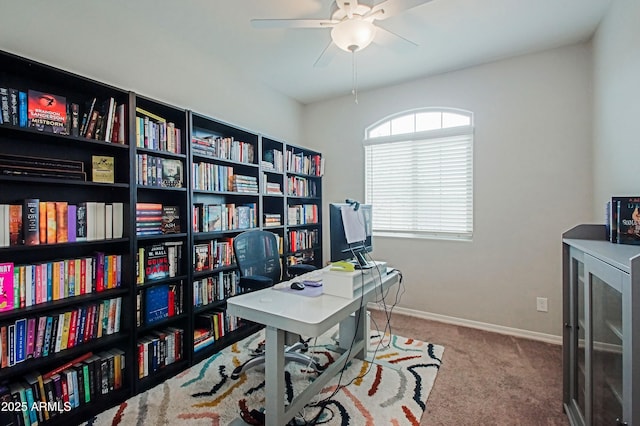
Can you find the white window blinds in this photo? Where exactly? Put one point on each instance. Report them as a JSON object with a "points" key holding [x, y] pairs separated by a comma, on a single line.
{"points": [[421, 186]]}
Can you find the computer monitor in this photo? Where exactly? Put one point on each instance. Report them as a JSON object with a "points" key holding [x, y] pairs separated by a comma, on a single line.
{"points": [[350, 232]]}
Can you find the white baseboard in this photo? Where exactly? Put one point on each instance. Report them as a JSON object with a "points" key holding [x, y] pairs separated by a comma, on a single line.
{"points": [[533, 335]]}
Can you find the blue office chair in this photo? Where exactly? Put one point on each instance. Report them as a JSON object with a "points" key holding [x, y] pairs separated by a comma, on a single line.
{"points": [[258, 262]]}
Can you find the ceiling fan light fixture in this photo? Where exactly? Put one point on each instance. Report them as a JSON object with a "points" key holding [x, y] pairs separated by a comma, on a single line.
{"points": [[353, 34]]}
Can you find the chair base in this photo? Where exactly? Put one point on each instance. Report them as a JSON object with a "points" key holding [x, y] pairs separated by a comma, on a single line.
{"points": [[290, 355]]}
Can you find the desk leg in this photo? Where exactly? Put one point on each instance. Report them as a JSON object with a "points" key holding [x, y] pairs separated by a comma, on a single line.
{"points": [[274, 377], [361, 331]]}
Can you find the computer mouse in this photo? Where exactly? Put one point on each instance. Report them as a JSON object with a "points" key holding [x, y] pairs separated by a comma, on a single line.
{"points": [[297, 285]]}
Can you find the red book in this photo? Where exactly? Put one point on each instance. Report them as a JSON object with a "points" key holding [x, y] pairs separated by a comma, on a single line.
{"points": [[83, 275], [65, 390], [73, 325], [171, 303], [99, 271], [31, 337], [66, 365], [4, 355]]}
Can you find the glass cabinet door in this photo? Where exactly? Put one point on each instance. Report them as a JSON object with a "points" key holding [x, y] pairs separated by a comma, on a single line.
{"points": [[577, 387], [606, 314]]}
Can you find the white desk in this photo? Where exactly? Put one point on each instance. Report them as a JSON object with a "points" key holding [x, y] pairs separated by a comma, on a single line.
{"points": [[281, 312]]}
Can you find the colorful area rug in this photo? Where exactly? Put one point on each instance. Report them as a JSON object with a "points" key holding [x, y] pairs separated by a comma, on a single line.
{"points": [[393, 390]]}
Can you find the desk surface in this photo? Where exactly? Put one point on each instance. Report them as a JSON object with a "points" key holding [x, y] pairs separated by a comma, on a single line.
{"points": [[308, 316]]}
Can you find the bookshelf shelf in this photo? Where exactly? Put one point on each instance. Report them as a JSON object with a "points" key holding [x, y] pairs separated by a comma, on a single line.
{"points": [[145, 219]]}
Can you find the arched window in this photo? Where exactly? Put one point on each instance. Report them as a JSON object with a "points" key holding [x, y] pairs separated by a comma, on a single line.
{"points": [[419, 174]]}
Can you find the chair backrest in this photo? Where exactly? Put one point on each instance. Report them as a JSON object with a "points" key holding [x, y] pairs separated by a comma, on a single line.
{"points": [[256, 253]]}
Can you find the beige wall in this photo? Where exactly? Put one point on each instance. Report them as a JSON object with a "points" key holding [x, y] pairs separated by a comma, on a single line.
{"points": [[617, 104], [532, 181]]}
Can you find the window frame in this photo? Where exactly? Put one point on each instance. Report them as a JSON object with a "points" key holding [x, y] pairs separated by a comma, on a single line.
{"points": [[445, 133]]}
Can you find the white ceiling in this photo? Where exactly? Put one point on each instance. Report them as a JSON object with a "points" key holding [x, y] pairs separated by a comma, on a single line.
{"points": [[451, 34]]}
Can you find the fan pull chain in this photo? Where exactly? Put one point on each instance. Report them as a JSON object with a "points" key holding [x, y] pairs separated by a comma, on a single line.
{"points": [[354, 76]]}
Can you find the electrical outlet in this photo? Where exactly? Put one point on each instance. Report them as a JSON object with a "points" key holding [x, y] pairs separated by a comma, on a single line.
{"points": [[541, 304]]}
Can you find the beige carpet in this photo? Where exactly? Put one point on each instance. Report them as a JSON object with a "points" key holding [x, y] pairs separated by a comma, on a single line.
{"points": [[488, 378]]}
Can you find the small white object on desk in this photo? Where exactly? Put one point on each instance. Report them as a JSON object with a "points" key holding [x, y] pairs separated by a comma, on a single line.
{"points": [[347, 283]]}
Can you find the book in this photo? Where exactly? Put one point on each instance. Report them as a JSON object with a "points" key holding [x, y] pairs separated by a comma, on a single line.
{"points": [[22, 109], [4, 105], [31, 221], [20, 340], [51, 222], [102, 168], [170, 219], [13, 106], [62, 221], [15, 225], [6, 287], [628, 220], [201, 257], [81, 222], [156, 303], [214, 219], [156, 262], [171, 173], [74, 127], [47, 112]]}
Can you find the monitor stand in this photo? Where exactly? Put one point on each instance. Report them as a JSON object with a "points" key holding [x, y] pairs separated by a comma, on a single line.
{"points": [[361, 261]]}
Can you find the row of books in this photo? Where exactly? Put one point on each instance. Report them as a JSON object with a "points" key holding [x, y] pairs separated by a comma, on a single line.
{"points": [[300, 187], [103, 121], [272, 219], [158, 261], [155, 132], [159, 302], [48, 112], [271, 188], [219, 178], [622, 220], [310, 164], [212, 326], [302, 214], [37, 337], [215, 288], [225, 148], [22, 286], [273, 160], [157, 219], [213, 254], [34, 222], [40, 167], [158, 349], [303, 239], [301, 258], [224, 217], [73, 384], [158, 171], [242, 183]]}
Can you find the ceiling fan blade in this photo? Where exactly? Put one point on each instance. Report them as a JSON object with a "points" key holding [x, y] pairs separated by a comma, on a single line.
{"points": [[292, 23], [392, 40], [348, 6], [327, 55], [390, 8]]}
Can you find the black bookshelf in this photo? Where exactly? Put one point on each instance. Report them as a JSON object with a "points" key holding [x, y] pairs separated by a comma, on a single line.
{"points": [[262, 186]]}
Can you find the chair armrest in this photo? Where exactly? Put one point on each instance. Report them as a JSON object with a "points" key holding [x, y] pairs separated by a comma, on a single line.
{"points": [[299, 269], [255, 282]]}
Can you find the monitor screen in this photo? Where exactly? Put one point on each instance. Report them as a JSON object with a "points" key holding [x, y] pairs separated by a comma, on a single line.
{"points": [[350, 232]]}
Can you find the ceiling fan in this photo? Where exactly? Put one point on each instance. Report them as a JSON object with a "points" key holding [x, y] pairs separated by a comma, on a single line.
{"points": [[352, 24]]}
